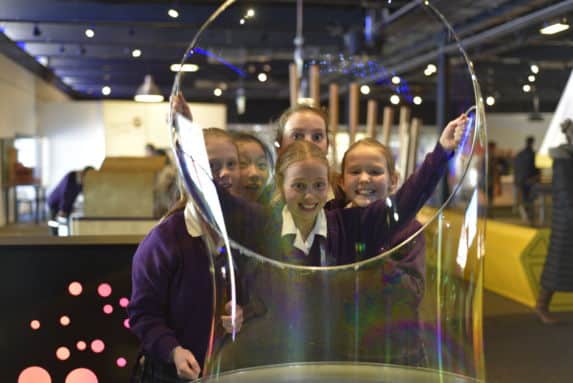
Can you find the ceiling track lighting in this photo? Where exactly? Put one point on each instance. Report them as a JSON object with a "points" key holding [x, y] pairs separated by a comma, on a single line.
{"points": [[148, 91]]}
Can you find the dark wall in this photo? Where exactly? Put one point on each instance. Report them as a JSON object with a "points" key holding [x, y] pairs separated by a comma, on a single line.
{"points": [[34, 283]]}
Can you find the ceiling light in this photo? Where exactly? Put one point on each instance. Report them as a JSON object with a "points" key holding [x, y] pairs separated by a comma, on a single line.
{"points": [[106, 90], [184, 68], [148, 91], [534, 69], [136, 53], [417, 100], [267, 67], [217, 92], [526, 88], [395, 99], [395, 80], [531, 78], [90, 33], [554, 28], [262, 77], [490, 101], [365, 89], [250, 13], [242, 21], [172, 12]]}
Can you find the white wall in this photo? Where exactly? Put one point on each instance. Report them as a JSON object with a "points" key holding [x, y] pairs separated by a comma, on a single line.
{"points": [[509, 130], [75, 135]]}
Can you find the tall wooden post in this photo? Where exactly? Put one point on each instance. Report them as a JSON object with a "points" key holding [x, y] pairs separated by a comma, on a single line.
{"points": [[294, 84], [387, 124], [404, 131], [372, 119], [415, 129], [353, 114], [333, 120], [315, 85]]}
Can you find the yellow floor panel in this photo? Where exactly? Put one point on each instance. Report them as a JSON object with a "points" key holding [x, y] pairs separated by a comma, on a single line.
{"points": [[514, 259]]}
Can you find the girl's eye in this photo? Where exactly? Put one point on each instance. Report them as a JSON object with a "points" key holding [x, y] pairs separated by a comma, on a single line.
{"points": [[320, 185], [376, 172], [299, 186], [262, 165], [298, 136], [231, 164], [354, 172], [317, 137]]}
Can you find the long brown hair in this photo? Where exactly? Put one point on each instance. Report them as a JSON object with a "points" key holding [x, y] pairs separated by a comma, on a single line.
{"points": [[297, 151]]}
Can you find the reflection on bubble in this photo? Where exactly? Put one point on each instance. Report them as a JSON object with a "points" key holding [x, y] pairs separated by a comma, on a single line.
{"points": [[34, 374], [108, 309], [126, 323], [121, 362], [123, 302]]}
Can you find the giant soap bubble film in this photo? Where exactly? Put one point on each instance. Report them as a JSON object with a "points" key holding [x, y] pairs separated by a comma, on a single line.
{"points": [[395, 295]]}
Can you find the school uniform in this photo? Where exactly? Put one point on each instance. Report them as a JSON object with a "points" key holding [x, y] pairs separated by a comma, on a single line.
{"points": [[64, 195], [171, 302]]}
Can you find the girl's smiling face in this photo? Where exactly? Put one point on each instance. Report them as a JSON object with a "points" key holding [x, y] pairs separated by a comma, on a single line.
{"points": [[254, 169], [224, 162], [305, 190], [366, 177]]}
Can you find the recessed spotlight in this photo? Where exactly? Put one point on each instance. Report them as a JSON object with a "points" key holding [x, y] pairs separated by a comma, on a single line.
{"points": [[395, 99], [417, 100], [242, 21], [90, 33], [365, 89], [526, 88], [184, 68], [136, 53], [490, 101], [250, 13], [173, 13], [531, 78], [534, 69], [106, 90], [396, 80], [262, 77], [217, 92]]}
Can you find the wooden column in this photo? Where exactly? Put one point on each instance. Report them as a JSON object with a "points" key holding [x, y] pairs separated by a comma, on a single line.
{"points": [[415, 128], [387, 124], [294, 84], [404, 131], [372, 119], [315, 85], [354, 110], [333, 120]]}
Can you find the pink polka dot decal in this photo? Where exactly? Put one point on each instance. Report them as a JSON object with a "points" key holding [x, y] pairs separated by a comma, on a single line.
{"points": [[65, 320], [81, 345], [121, 362], [81, 375], [123, 302], [62, 353], [75, 288], [104, 290], [34, 374], [108, 309], [97, 346], [35, 324], [126, 323]]}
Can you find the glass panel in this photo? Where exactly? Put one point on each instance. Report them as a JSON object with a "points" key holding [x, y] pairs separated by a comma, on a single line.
{"points": [[391, 290]]}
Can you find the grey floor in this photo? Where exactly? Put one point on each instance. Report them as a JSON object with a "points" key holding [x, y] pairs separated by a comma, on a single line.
{"points": [[519, 349]]}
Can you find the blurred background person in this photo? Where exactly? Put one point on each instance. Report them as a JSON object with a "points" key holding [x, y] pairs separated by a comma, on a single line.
{"points": [[526, 175]]}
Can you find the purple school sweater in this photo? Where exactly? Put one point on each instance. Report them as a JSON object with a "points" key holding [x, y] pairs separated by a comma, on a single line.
{"points": [[171, 301], [64, 195]]}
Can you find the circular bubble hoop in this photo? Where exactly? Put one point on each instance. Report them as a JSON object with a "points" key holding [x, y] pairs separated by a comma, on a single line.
{"points": [[411, 311]]}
